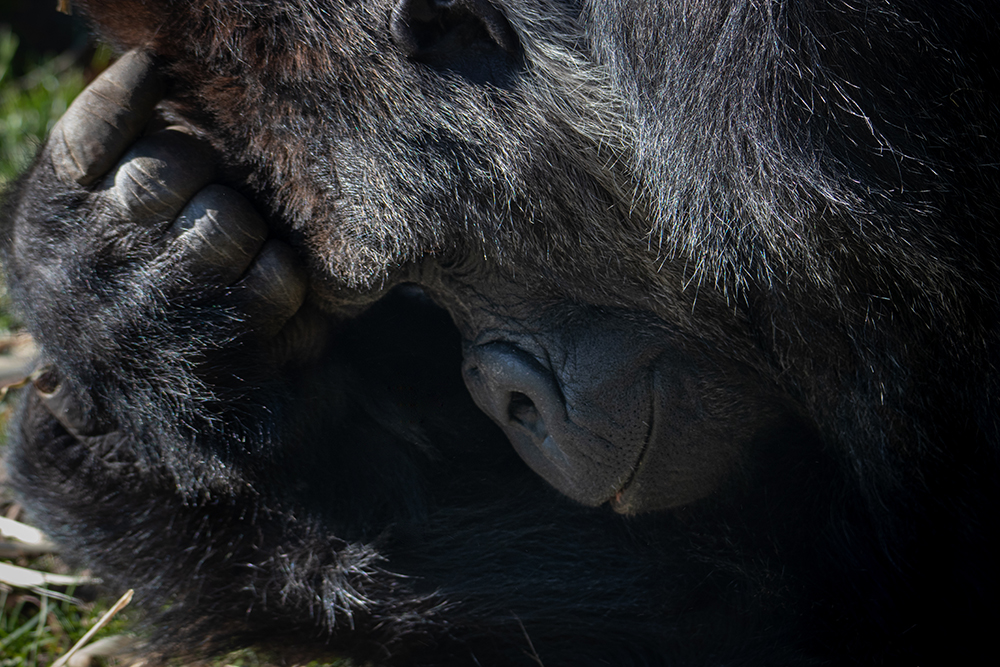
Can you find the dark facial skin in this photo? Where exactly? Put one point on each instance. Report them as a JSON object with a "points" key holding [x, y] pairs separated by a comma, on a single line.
{"points": [[607, 405]]}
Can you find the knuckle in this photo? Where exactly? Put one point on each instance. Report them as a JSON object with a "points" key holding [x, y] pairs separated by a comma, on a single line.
{"points": [[277, 275], [274, 287], [159, 174], [218, 232]]}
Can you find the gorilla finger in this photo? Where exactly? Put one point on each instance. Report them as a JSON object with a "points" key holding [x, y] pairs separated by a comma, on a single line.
{"points": [[159, 174], [105, 119], [217, 235], [275, 287]]}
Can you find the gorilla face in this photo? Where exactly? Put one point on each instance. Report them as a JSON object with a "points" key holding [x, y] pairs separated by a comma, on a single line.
{"points": [[419, 152]]}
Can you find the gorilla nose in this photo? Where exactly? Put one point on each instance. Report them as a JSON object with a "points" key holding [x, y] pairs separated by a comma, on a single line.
{"points": [[523, 398]]}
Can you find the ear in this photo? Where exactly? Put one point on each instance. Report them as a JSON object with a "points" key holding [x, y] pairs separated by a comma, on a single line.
{"points": [[470, 37]]}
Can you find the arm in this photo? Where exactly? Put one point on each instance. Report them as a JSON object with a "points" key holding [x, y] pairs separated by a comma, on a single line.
{"points": [[156, 445]]}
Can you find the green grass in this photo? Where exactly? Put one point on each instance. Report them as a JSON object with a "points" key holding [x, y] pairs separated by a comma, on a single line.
{"points": [[36, 629], [33, 97], [34, 92]]}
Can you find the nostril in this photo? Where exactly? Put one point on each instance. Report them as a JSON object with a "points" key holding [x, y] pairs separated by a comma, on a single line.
{"points": [[521, 410], [515, 389], [521, 395]]}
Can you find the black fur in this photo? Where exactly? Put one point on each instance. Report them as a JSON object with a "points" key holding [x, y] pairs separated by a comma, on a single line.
{"points": [[788, 207]]}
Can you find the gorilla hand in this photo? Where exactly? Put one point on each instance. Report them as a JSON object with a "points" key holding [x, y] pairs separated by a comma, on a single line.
{"points": [[148, 279]]}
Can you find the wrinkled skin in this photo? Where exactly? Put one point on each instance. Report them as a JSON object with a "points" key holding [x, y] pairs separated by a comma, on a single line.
{"points": [[456, 333]]}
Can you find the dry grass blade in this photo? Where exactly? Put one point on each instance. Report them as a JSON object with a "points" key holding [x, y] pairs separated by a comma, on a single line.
{"points": [[117, 646], [19, 382], [18, 355], [22, 532], [22, 577], [121, 604]]}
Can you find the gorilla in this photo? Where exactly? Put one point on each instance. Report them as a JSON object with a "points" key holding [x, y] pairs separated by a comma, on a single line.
{"points": [[526, 332]]}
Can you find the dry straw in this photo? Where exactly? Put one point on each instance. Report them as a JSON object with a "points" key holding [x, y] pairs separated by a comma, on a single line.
{"points": [[122, 602]]}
